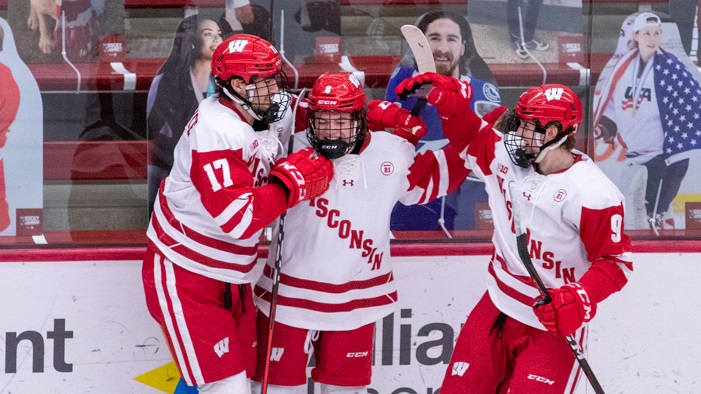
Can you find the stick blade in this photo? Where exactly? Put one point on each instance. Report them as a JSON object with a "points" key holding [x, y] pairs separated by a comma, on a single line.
{"points": [[419, 48]]}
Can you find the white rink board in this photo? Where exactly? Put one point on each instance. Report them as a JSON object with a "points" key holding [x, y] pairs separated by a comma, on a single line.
{"points": [[643, 339]]}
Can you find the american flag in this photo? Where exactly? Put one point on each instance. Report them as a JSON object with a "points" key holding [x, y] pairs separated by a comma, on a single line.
{"points": [[679, 102]]}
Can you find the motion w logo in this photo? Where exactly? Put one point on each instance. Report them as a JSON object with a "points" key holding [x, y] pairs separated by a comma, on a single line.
{"points": [[276, 353], [222, 347], [459, 368], [554, 93], [237, 46]]}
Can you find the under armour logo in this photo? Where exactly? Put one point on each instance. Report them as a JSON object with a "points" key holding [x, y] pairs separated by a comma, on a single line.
{"points": [[222, 347], [276, 353], [459, 368], [347, 182], [554, 93]]}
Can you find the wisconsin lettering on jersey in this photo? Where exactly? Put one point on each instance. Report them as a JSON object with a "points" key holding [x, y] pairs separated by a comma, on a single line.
{"points": [[535, 249], [507, 202], [258, 170], [346, 231]]}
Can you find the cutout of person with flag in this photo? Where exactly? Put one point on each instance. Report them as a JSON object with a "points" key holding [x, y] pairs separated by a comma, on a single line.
{"points": [[650, 105]]}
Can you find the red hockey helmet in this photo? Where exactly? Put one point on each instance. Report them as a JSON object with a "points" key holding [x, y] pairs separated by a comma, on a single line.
{"points": [[548, 103], [334, 135], [340, 92], [541, 105], [245, 56]]}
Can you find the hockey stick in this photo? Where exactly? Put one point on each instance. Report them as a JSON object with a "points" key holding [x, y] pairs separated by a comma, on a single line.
{"points": [[522, 244], [278, 261], [422, 54], [424, 63]]}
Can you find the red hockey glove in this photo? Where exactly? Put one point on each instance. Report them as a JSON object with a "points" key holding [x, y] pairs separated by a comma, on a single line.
{"points": [[383, 114], [450, 95], [305, 174], [570, 308]]}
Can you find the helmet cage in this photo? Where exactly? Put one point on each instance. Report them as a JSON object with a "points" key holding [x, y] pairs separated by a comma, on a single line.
{"points": [[333, 145], [267, 107], [516, 145]]}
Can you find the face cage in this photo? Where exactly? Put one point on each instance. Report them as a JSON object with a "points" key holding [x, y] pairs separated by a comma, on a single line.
{"points": [[279, 102], [336, 147], [516, 145]]}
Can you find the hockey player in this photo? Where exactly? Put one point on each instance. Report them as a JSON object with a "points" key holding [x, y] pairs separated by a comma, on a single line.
{"points": [[227, 183], [574, 220], [336, 279]]}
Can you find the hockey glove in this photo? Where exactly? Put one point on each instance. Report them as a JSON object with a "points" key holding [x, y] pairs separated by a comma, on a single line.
{"points": [[450, 95], [570, 308], [383, 114], [305, 174]]}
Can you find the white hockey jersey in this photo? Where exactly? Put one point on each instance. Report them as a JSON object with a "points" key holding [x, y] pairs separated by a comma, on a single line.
{"points": [[573, 218], [335, 268], [211, 209]]}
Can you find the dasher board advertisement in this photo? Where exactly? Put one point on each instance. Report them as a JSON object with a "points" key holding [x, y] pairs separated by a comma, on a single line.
{"points": [[83, 327]]}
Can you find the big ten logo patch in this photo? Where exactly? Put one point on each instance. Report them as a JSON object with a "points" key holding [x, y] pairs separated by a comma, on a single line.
{"points": [[387, 168]]}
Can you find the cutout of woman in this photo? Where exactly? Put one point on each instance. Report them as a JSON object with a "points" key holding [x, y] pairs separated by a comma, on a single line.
{"points": [[21, 149], [646, 104], [182, 82]]}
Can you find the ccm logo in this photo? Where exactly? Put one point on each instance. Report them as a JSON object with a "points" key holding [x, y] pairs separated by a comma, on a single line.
{"points": [[330, 102], [541, 379], [355, 355]]}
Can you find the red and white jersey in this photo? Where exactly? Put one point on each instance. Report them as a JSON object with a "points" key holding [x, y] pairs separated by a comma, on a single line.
{"points": [[573, 218], [335, 268], [209, 211]]}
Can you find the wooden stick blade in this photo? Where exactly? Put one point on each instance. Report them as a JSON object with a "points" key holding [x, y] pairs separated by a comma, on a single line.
{"points": [[419, 48]]}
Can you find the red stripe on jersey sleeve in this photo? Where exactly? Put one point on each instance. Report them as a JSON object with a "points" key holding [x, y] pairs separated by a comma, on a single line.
{"points": [[483, 148], [326, 307], [222, 178], [462, 129], [426, 171], [301, 283], [601, 231]]}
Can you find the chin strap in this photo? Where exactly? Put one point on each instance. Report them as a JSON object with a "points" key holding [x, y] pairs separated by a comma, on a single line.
{"points": [[554, 144], [240, 100]]}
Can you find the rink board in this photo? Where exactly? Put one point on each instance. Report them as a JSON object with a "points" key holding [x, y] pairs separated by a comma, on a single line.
{"points": [[82, 327]]}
